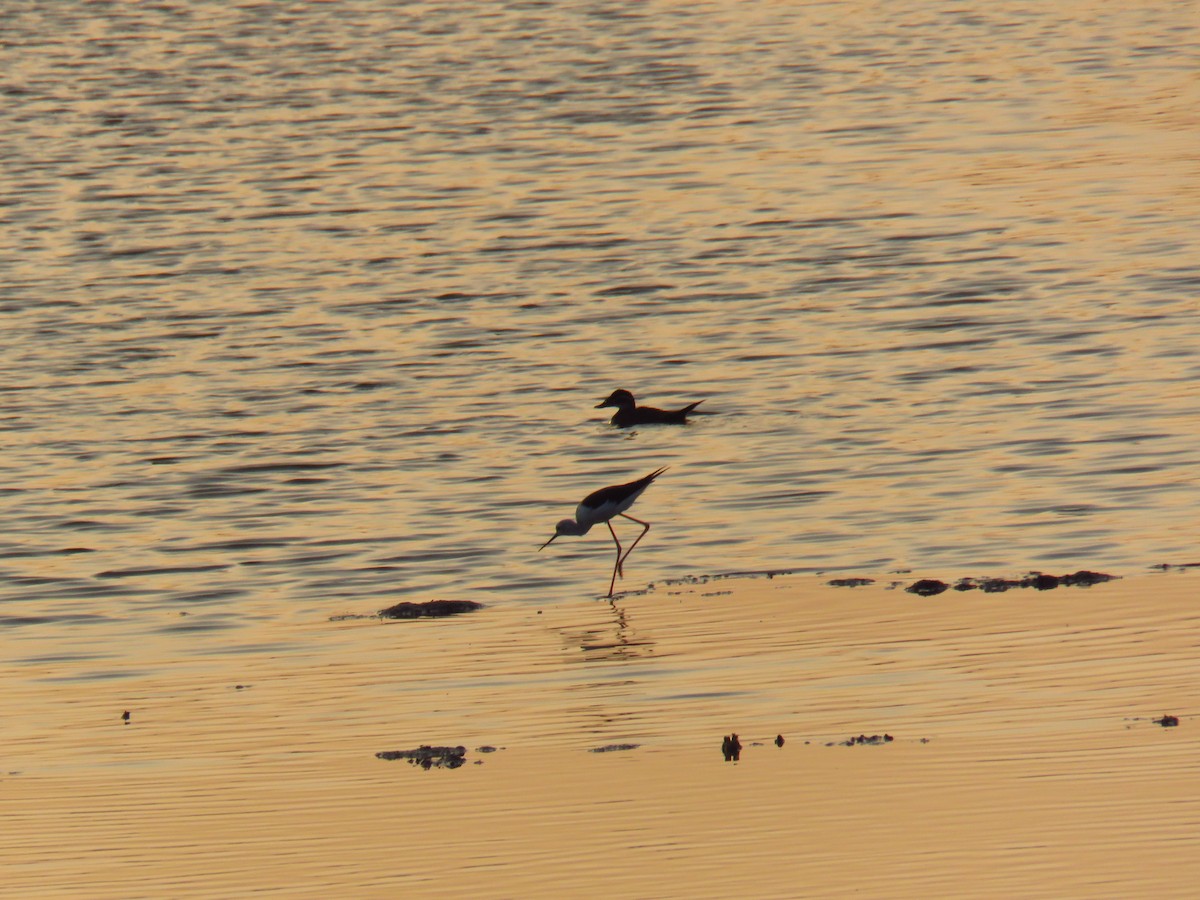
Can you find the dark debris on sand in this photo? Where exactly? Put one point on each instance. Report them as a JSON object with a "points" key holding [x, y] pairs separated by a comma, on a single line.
{"points": [[428, 757], [874, 740], [431, 609], [928, 587], [731, 747], [1167, 721], [850, 582]]}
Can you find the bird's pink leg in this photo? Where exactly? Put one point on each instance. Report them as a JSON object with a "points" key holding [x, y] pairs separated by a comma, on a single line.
{"points": [[645, 528], [616, 566]]}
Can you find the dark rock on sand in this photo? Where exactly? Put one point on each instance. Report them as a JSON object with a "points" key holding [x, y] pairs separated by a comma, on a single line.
{"points": [[432, 609], [927, 587], [1039, 581], [873, 739], [732, 748], [1084, 578], [428, 757], [987, 585]]}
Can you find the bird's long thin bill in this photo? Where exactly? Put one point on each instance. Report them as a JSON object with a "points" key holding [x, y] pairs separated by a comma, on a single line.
{"points": [[547, 544]]}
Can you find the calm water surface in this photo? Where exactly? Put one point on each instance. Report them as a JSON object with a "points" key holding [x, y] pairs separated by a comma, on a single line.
{"points": [[307, 306]]}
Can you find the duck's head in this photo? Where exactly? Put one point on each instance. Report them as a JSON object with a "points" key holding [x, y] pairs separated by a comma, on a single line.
{"points": [[620, 398]]}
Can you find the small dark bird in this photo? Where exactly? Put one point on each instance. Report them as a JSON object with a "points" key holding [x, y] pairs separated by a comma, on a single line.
{"points": [[779, 740], [125, 717], [629, 413], [601, 506]]}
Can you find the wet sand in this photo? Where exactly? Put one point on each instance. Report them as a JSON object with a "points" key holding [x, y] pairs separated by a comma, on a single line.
{"points": [[1025, 761]]}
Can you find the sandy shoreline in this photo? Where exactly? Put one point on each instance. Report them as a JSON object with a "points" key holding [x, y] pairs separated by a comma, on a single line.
{"points": [[1025, 759]]}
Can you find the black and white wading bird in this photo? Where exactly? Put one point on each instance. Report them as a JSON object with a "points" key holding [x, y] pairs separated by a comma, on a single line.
{"points": [[602, 506], [629, 413]]}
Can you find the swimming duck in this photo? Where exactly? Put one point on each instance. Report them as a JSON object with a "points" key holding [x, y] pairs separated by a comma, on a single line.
{"points": [[629, 413]]}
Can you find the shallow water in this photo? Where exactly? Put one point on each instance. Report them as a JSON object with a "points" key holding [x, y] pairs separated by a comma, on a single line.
{"points": [[307, 308], [1025, 761]]}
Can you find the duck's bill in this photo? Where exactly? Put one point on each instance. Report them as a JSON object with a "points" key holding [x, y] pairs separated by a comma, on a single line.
{"points": [[602, 404], [547, 544]]}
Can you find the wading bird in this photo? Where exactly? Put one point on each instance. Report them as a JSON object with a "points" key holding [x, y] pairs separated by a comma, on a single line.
{"points": [[601, 506], [629, 413]]}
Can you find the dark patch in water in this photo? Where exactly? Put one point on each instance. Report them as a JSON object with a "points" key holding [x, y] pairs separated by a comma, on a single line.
{"points": [[704, 579], [613, 748], [1036, 580], [633, 290], [431, 609], [242, 544], [281, 467], [24, 620], [164, 570], [928, 587]]}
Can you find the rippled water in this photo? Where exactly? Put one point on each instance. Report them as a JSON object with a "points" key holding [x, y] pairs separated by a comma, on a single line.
{"points": [[307, 306]]}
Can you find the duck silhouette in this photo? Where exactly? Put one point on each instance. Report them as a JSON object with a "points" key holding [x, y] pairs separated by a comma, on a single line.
{"points": [[629, 413]]}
